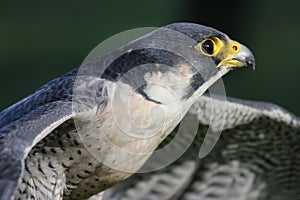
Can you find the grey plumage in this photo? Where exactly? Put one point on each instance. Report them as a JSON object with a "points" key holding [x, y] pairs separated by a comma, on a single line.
{"points": [[33, 117], [256, 158], [60, 142]]}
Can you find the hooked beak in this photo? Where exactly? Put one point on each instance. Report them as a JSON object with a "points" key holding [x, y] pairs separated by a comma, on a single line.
{"points": [[237, 55]]}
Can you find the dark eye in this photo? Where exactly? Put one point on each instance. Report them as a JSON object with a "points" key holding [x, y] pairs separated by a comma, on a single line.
{"points": [[208, 46]]}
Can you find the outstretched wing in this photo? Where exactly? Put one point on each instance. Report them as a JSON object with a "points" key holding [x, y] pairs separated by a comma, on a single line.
{"points": [[256, 157], [30, 120]]}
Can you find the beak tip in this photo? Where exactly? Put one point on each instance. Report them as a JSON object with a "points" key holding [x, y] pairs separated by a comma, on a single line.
{"points": [[250, 62], [246, 57]]}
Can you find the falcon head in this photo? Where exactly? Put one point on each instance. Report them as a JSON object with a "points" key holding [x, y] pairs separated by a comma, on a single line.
{"points": [[176, 62]]}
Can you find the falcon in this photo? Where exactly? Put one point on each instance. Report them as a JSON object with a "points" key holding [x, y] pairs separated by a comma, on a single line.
{"points": [[98, 124]]}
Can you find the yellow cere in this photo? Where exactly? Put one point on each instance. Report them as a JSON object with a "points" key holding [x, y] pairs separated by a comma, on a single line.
{"points": [[234, 47], [229, 55]]}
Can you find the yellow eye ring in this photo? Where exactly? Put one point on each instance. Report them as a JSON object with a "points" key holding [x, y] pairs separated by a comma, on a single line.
{"points": [[211, 46]]}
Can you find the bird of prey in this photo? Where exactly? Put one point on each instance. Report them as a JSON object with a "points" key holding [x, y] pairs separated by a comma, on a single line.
{"points": [[98, 124], [256, 157]]}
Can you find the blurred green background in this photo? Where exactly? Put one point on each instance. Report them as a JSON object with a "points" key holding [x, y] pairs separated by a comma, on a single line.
{"points": [[41, 40]]}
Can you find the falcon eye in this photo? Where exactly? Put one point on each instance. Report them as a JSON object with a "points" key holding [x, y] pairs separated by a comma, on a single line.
{"points": [[211, 46], [208, 46]]}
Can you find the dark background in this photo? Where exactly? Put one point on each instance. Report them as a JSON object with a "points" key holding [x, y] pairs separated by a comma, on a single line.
{"points": [[42, 40]]}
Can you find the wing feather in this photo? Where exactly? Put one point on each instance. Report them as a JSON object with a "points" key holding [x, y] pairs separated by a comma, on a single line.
{"points": [[27, 122], [256, 157]]}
